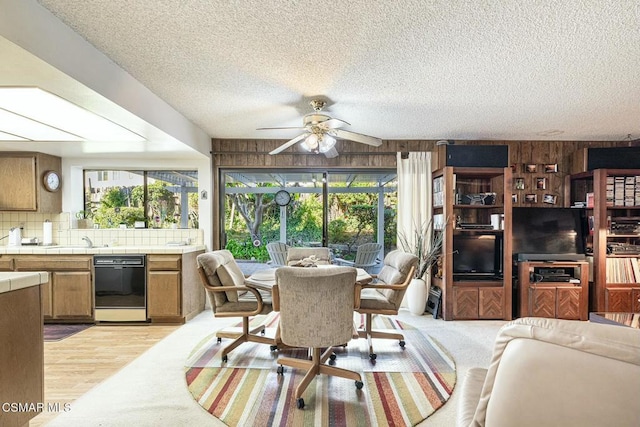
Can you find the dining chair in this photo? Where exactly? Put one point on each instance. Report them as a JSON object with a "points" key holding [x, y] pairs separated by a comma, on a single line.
{"points": [[366, 257], [384, 295], [223, 280], [296, 255], [316, 312], [278, 254]]}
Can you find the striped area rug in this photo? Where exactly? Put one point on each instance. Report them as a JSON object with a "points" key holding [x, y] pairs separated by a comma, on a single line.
{"points": [[402, 387]]}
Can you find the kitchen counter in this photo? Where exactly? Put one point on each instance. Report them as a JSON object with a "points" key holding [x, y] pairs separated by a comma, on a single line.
{"points": [[83, 250], [12, 281]]}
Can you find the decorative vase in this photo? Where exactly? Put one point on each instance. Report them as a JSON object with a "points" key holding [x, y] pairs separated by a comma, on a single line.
{"points": [[417, 293]]}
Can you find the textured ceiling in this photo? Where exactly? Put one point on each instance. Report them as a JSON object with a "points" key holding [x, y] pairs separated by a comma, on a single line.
{"points": [[412, 69]]}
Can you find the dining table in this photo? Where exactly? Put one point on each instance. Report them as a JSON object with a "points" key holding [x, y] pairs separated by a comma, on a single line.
{"points": [[265, 279]]}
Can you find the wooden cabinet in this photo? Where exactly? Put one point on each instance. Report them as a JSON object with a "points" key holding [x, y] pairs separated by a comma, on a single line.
{"points": [[613, 234], [467, 201], [542, 297], [22, 177], [21, 354], [174, 291], [478, 301], [69, 293]]}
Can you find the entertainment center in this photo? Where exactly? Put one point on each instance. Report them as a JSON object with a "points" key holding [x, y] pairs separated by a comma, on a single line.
{"points": [[502, 261]]}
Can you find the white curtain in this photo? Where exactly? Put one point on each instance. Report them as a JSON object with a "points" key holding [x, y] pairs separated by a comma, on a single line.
{"points": [[414, 195]]}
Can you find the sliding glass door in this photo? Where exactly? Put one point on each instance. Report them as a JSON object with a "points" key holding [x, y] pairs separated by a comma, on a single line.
{"points": [[337, 209]]}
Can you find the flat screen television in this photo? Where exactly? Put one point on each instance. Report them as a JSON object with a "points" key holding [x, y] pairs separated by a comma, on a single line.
{"points": [[477, 256], [548, 234]]}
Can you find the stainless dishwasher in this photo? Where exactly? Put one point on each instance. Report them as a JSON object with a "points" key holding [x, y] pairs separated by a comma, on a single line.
{"points": [[120, 286]]}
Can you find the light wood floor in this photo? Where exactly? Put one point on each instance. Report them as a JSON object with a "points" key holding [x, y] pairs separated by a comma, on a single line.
{"points": [[76, 364]]}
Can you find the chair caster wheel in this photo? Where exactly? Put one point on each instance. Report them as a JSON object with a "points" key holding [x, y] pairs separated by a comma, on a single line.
{"points": [[225, 359], [273, 347], [300, 403], [373, 356], [359, 385], [402, 343], [219, 340], [280, 370]]}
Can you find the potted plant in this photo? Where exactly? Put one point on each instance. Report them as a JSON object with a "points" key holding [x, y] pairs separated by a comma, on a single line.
{"points": [[425, 243]]}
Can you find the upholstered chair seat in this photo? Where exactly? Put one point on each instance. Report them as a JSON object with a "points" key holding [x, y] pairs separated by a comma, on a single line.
{"points": [[321, 256], [223, 281], [384, 296], [316, 311]]}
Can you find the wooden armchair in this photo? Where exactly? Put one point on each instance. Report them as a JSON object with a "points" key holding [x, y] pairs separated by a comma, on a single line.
{"points": [[224, 282], [366, 257], [385, 295], [278, 253]]}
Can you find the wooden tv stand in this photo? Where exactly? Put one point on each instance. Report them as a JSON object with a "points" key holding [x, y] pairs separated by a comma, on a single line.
{"points": [[547, 297]]}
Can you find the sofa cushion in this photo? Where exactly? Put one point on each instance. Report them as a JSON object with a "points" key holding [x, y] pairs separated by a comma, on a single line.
{"points": [[470, 390]]}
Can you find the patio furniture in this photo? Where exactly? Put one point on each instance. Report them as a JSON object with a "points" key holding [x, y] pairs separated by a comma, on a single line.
{"points": [[278, 254], [366, 257]]}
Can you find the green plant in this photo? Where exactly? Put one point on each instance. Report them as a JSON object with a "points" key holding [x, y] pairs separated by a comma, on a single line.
{"points": [[425, 243]]}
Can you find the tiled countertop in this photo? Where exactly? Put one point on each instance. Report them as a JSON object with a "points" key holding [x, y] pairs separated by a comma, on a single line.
{"points": [[81, 250], [11, 281]]}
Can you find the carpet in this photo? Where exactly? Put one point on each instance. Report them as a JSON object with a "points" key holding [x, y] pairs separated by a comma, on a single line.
{"points": [[57, 332], [402, 387]]}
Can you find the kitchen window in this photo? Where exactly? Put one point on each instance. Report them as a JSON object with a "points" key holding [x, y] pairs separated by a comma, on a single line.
{"points": [[133, 198]]}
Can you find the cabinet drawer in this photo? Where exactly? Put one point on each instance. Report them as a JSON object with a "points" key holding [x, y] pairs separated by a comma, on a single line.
{"points": [[164, 262], [48, 263], [6, 263]]}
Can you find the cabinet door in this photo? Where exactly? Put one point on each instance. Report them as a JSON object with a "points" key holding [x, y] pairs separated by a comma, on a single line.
{"points": [[618, 300], [568, 303], [635, 300], [72, 294], [465, 303], [491, 303], [163, 293], [542, 302], [20, 173]]}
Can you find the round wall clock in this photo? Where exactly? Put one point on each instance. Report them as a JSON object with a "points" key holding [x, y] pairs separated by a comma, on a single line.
{"points": [[282, 198], [51, 181]]}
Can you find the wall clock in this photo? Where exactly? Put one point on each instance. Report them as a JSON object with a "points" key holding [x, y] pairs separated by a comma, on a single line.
{"points": [[282, 198], [51, 181]]}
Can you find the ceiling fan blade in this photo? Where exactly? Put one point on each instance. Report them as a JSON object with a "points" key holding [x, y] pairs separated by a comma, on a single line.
{"points": [[334, 123], [330, 154], [293, 127], [357, 137], [289, 143]]}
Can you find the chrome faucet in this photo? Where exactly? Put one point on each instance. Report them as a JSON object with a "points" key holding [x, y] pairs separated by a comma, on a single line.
{"points": [[88, 240]]}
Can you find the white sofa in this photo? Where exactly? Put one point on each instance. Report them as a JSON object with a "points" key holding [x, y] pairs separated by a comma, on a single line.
{"points": [[550, 372]]}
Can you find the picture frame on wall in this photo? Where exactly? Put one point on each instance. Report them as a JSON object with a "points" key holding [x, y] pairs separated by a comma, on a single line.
{"points": [[550, 199], [518, 184], [541, 183], [551, 168], [514, 198], [531, 198], [530, 168]]}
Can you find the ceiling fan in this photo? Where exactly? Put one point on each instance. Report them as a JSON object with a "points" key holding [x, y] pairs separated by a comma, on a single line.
{"points": [[321, 131]]}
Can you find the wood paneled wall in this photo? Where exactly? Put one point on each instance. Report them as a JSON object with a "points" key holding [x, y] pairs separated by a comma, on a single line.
{"points": [[254, 153]]}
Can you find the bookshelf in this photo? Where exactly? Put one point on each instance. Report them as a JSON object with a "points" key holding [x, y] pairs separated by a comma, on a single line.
{"points": [[612, 200], [473, 205]]}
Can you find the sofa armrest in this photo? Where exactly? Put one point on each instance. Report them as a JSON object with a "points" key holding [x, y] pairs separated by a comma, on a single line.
{"points": [[470, 392]]}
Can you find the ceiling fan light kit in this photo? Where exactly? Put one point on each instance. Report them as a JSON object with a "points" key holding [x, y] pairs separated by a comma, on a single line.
{"points": [[321, 131]]}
